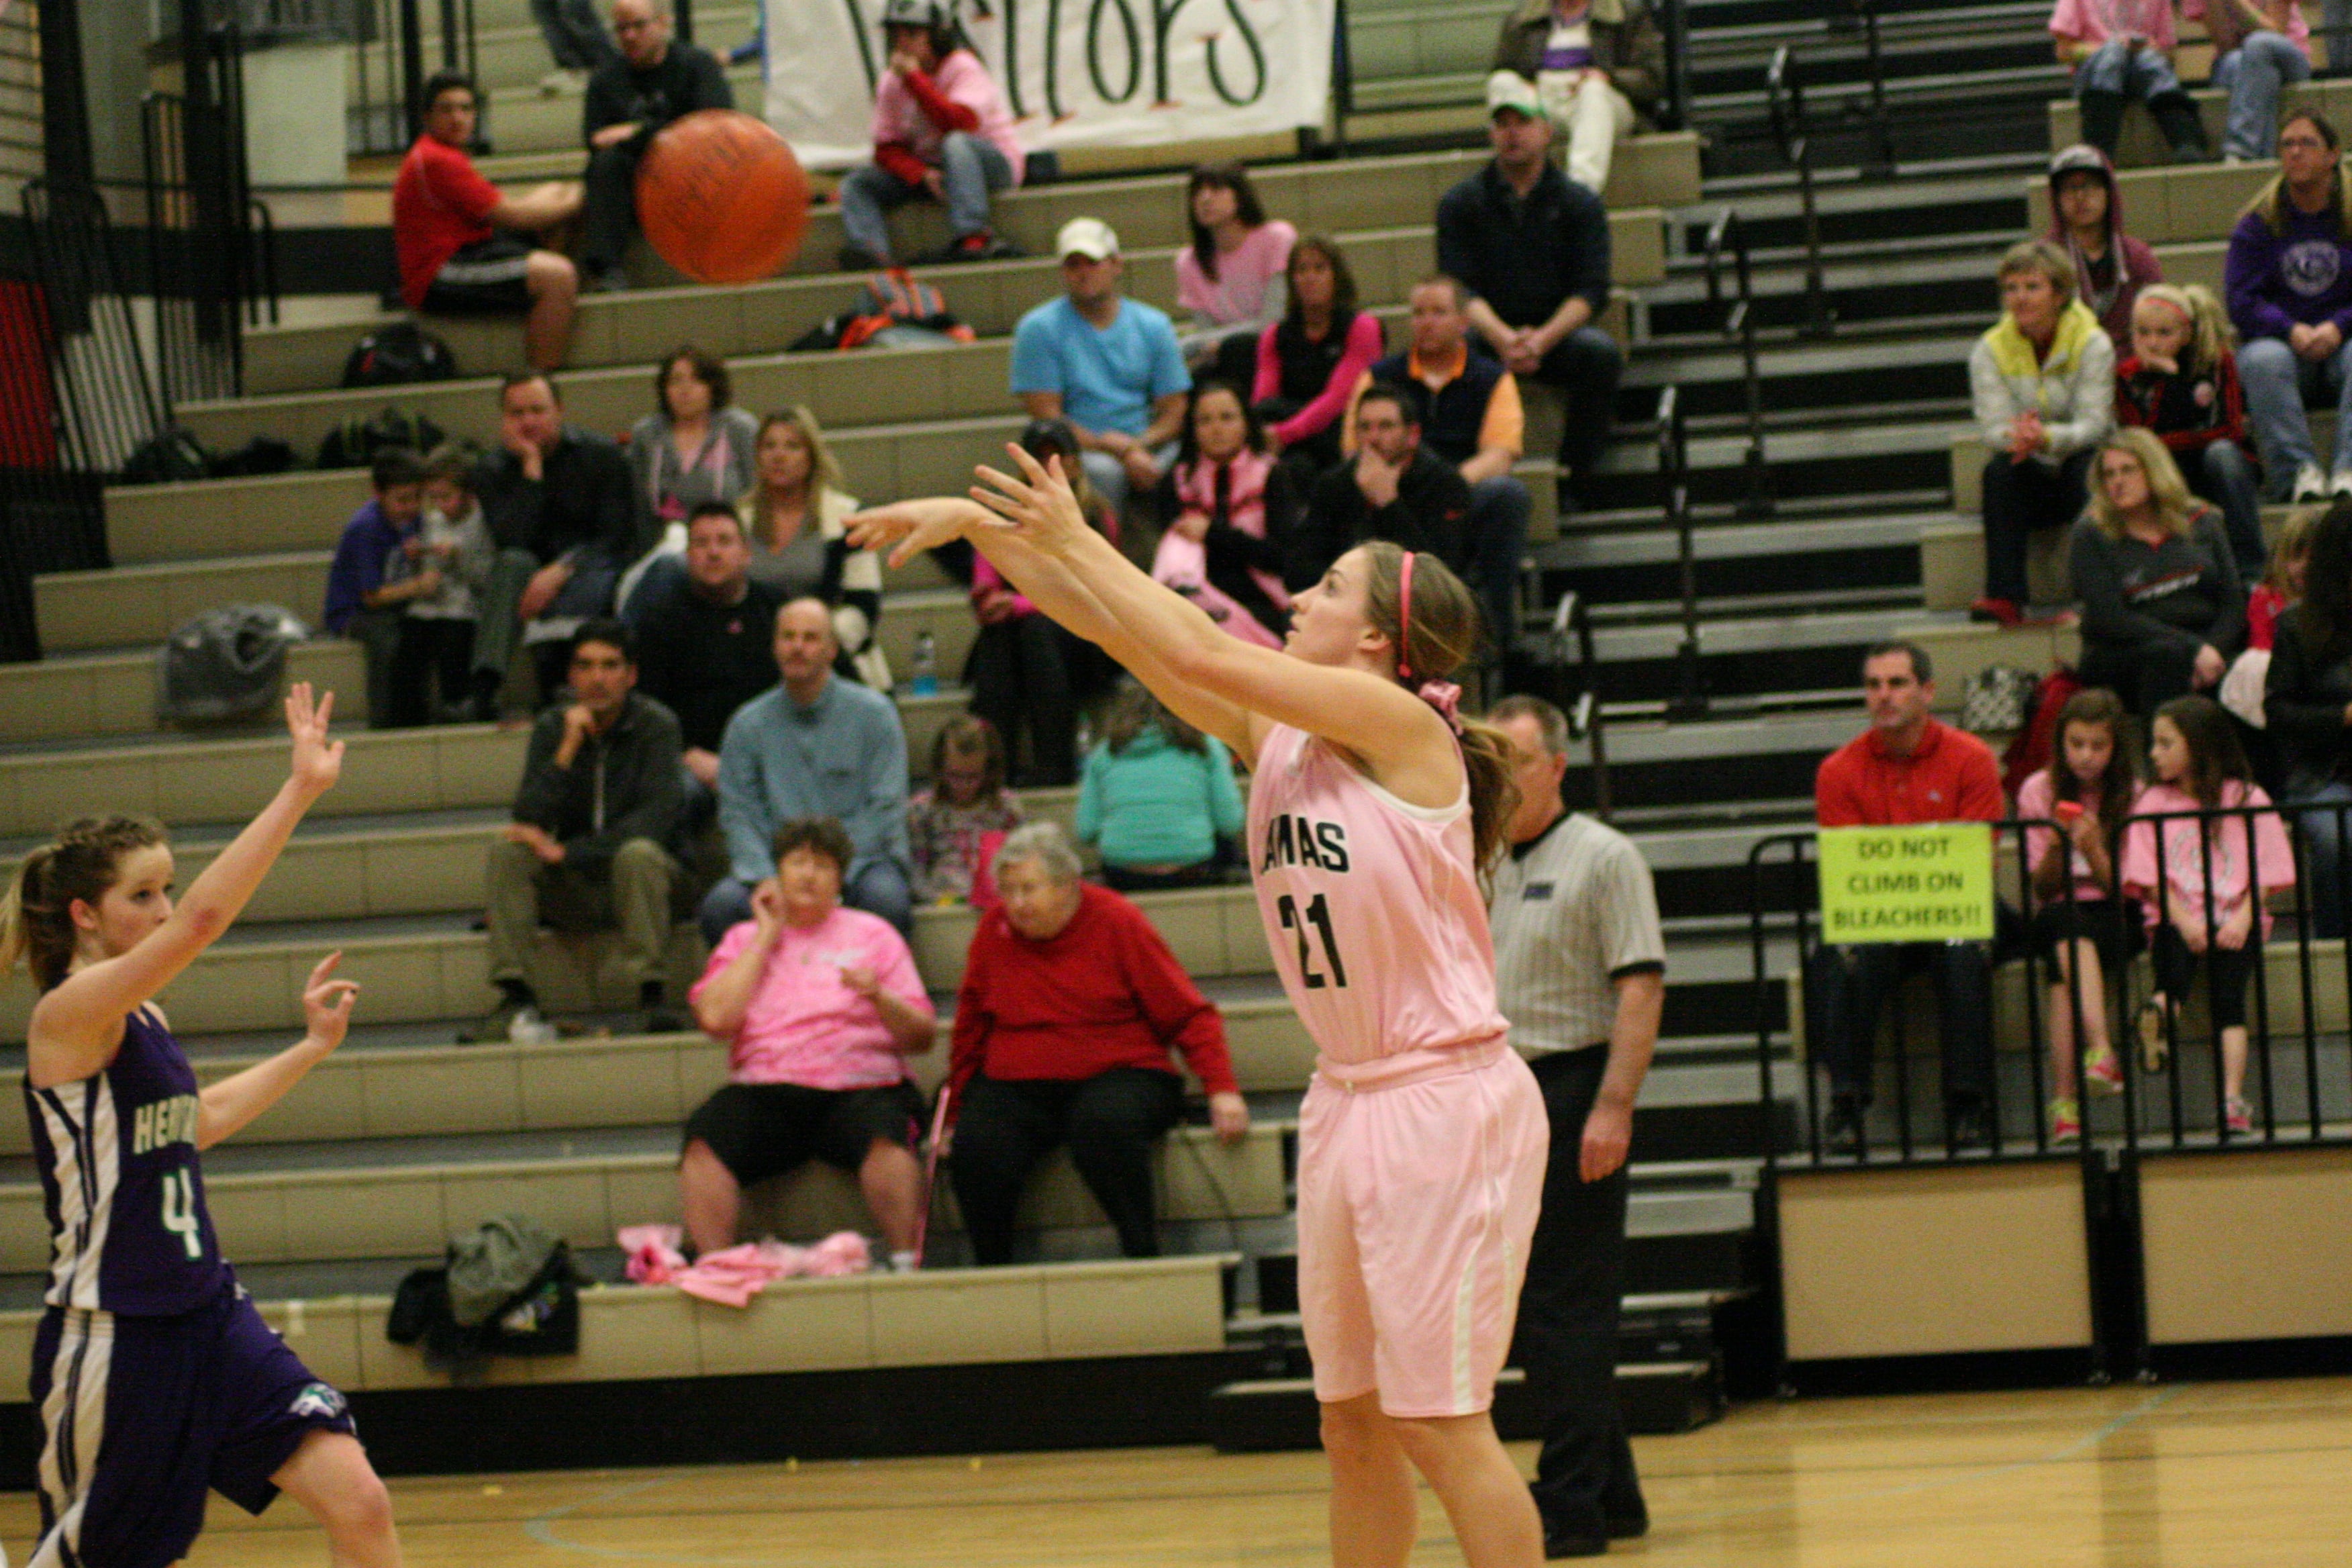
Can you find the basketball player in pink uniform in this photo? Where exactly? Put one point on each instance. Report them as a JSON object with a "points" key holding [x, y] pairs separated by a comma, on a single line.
{"points": [[1423, 1140]]}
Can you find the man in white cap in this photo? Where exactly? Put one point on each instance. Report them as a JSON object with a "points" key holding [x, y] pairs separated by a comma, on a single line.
{"points": [[1105, 363], [1532, 249]]}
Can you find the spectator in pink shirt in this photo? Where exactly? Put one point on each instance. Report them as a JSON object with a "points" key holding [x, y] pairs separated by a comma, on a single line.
{"points": [[1233, 277], [1309, 362], [820, 1006], [940, 128], [2122, 50]]}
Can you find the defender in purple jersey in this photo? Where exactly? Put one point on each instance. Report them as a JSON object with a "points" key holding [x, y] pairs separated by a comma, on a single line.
{"points": [[157, 1378]]}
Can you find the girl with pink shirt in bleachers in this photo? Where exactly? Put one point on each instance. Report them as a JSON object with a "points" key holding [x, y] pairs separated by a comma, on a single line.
{"points": [[2087, 789], [2202, 884]]}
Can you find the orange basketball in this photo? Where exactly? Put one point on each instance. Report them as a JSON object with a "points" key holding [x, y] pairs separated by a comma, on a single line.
{"points": [[721, 198]]}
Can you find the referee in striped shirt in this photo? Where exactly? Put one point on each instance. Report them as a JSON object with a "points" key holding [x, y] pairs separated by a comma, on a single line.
{"points": [[1579, 970]]}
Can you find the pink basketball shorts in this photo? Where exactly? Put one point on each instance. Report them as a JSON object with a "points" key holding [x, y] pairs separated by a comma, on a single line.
{"points": [[1418, 1190]]}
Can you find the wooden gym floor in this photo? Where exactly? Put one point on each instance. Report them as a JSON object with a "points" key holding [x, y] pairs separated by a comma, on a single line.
{"points": [[2182, 1475]]}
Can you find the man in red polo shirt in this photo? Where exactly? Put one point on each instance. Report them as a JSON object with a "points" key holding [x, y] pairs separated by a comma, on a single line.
{"points": [[445, 223], [1905, 768]]}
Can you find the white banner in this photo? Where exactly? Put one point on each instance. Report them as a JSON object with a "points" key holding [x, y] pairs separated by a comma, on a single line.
{"points": [[1076, 73]]}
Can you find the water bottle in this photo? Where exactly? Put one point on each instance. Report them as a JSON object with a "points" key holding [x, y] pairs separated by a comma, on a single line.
{"points": [[926, 680]]}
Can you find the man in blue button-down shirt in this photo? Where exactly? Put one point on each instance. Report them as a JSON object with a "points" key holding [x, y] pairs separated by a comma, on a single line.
{"points": [[814, 746]]}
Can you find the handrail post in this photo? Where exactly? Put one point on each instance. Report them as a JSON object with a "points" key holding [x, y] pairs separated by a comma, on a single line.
{"points": [[1756, 500], [1689, 701], [1343, 78], [1882, 129], [1785, 97], [1574, 619]]}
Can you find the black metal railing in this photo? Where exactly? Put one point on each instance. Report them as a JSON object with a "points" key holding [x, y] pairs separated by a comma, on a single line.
{"points": [[1785, 97], [1739, 324], [2294, 1075], [1863, 15], [1578, 691], [1689, 701], [212, 247], [391, 59]]}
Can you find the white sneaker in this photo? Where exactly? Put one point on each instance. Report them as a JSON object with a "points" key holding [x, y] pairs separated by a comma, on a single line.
{"points": [[2340, 484], [529, 1028], [2310, 484], [561, 82]]}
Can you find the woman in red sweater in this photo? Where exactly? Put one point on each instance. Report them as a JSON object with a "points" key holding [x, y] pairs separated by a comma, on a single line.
{"points": [[1070, 1009]]}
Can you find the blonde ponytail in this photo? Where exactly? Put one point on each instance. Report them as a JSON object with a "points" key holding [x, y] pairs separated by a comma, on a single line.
{"points": [[37, 911]]}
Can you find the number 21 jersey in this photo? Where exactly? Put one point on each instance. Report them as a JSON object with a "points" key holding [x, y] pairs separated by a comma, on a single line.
{"points": [[1372, 905], [129, 1231]]}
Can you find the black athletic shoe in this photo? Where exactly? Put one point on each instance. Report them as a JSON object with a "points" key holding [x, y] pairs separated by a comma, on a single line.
{"points": [[663, 1019], [1842, 1133], [1558, 1546]]}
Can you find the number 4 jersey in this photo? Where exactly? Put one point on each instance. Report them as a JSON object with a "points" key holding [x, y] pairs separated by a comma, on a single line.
{"points": [[1372, 907], [128, 1228]]}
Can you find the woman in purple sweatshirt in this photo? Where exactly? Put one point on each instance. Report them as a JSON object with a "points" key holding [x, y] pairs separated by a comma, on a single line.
{"points": [[2288, 283]]}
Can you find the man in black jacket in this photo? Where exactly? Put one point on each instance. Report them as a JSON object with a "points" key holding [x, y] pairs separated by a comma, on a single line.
{"points": [[561, 508], [710, 647], [656, 79], [589, 845], [1394, 488], [1532, 249]]}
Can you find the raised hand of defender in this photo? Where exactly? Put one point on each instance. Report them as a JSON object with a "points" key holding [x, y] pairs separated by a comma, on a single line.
{"points": [[1040, 504], [318, 761], [908, 527], [326, 1004]]}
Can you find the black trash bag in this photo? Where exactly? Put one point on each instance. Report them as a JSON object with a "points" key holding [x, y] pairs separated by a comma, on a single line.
{"points": [[174, 458], [398, 354], [355, 442], [226, 663]]}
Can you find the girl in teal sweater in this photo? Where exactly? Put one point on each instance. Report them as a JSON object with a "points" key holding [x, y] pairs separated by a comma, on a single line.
{"points": [[1156, 797]]}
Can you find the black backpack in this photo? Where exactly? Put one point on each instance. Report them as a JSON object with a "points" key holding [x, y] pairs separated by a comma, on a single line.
{"points": [[401, 353], [171, 458], [354, 443]]}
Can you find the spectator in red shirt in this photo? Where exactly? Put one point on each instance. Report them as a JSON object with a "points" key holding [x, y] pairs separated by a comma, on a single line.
{"points": [[1070, 1006], [1905, 768], [446, 228]]}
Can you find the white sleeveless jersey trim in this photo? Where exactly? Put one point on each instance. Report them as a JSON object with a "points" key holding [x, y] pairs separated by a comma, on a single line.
{"points": [[87, 1166], [73, 1418], [1438, 815]]}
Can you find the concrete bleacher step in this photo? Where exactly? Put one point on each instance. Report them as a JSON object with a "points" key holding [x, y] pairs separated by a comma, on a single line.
{"points": [[2140, 144], [404, 1198], [187, 780], [2172, 204], [636, 326], [1969, 452], [1951, 560], [432, 965], [848, 390], [1166, 1306], [113, 693], [145, 602], [148, 524]]}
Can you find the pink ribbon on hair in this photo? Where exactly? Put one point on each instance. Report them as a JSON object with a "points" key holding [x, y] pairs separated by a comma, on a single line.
{"points": [[1446, 698]]}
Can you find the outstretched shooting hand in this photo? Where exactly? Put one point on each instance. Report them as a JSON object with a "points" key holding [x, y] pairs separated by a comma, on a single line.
{"points": [[318, 761], [908, 527], [327, 1003], [1040, 504]]}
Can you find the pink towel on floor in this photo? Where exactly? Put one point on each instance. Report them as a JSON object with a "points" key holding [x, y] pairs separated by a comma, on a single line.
{"points": [[733, 1277]]}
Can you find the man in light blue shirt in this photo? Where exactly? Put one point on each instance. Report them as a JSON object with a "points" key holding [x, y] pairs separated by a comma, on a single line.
{"points": [[814, 746], [1104, 362]]}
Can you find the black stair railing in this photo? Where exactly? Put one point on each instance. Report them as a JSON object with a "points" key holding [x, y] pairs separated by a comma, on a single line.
{"points": [[1739, 323], [1689, 701], [1580, 688], [1846, 16], [1785, 95]]}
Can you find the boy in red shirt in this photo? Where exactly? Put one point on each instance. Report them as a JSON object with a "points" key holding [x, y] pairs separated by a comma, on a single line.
{"points": [[1905, 768], [446, 219]]}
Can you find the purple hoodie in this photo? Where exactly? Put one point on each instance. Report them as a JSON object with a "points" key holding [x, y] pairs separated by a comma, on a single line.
{"points": [[360, 556], [2273, 281]]}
